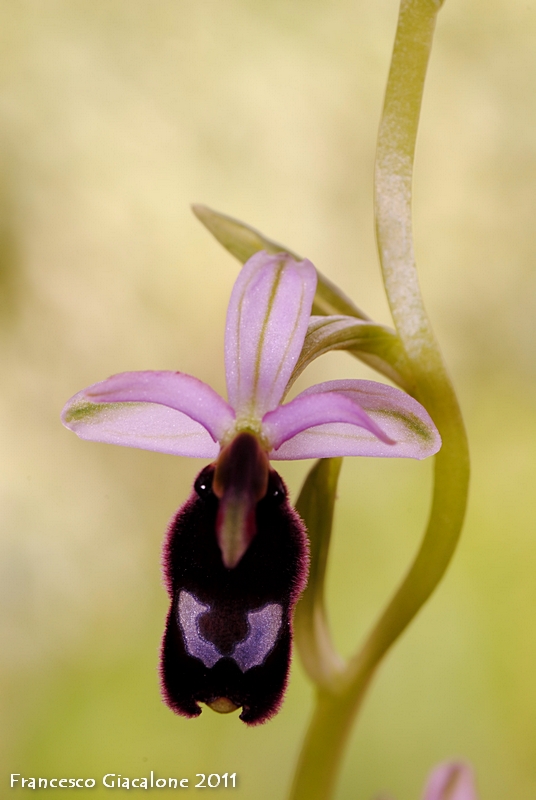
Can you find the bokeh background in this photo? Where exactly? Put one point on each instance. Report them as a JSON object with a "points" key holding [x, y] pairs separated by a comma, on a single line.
{"points": [[115, 116]]}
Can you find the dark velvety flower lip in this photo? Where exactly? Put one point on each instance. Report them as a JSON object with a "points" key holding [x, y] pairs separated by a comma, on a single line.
{"points": [[228, 633]]}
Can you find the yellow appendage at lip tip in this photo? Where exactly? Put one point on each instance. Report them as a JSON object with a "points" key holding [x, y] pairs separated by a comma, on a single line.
{"points": [[222, 705]]}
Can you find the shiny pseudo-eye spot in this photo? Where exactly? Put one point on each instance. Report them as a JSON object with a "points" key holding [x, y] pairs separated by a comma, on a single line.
{"points": [[278, 491], [203, 482], [263, 626]]}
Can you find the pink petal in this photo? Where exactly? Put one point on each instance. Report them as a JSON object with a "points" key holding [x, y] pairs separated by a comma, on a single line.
{"points": [[266, 324], [166, 411], [451, 781], [312, 410], [145, 425], [398, 416]]}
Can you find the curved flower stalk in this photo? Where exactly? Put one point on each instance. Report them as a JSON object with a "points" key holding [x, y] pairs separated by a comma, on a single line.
{"points": [[235, 556], [340, 695]]}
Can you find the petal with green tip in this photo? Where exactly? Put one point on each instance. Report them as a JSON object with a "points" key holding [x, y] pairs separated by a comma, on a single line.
{"points": [[400, 417], [166, 411], [144, 425]]}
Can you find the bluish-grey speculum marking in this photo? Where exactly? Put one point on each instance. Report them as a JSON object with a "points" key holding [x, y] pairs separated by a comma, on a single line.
{"points": [[261, 632]]}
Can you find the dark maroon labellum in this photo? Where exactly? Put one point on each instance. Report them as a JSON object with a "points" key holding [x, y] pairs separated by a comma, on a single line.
{"points": [[228, 633]]}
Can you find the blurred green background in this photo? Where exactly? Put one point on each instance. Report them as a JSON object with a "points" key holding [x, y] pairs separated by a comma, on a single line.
{"points": [[115, 115]]}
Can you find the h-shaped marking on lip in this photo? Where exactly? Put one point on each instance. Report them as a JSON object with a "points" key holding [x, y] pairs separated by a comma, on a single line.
{"points": [[264, 625]]}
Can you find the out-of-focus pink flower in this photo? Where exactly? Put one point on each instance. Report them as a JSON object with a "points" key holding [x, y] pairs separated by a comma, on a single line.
{"points": [[453, 780]]}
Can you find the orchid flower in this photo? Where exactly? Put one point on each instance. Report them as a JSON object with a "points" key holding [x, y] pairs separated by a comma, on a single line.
{"points": [[236, 555], [452, 780]]}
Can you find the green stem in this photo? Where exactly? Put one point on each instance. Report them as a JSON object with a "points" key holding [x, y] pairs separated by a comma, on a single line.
{"points": [[312, 636], [338, 703]]}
